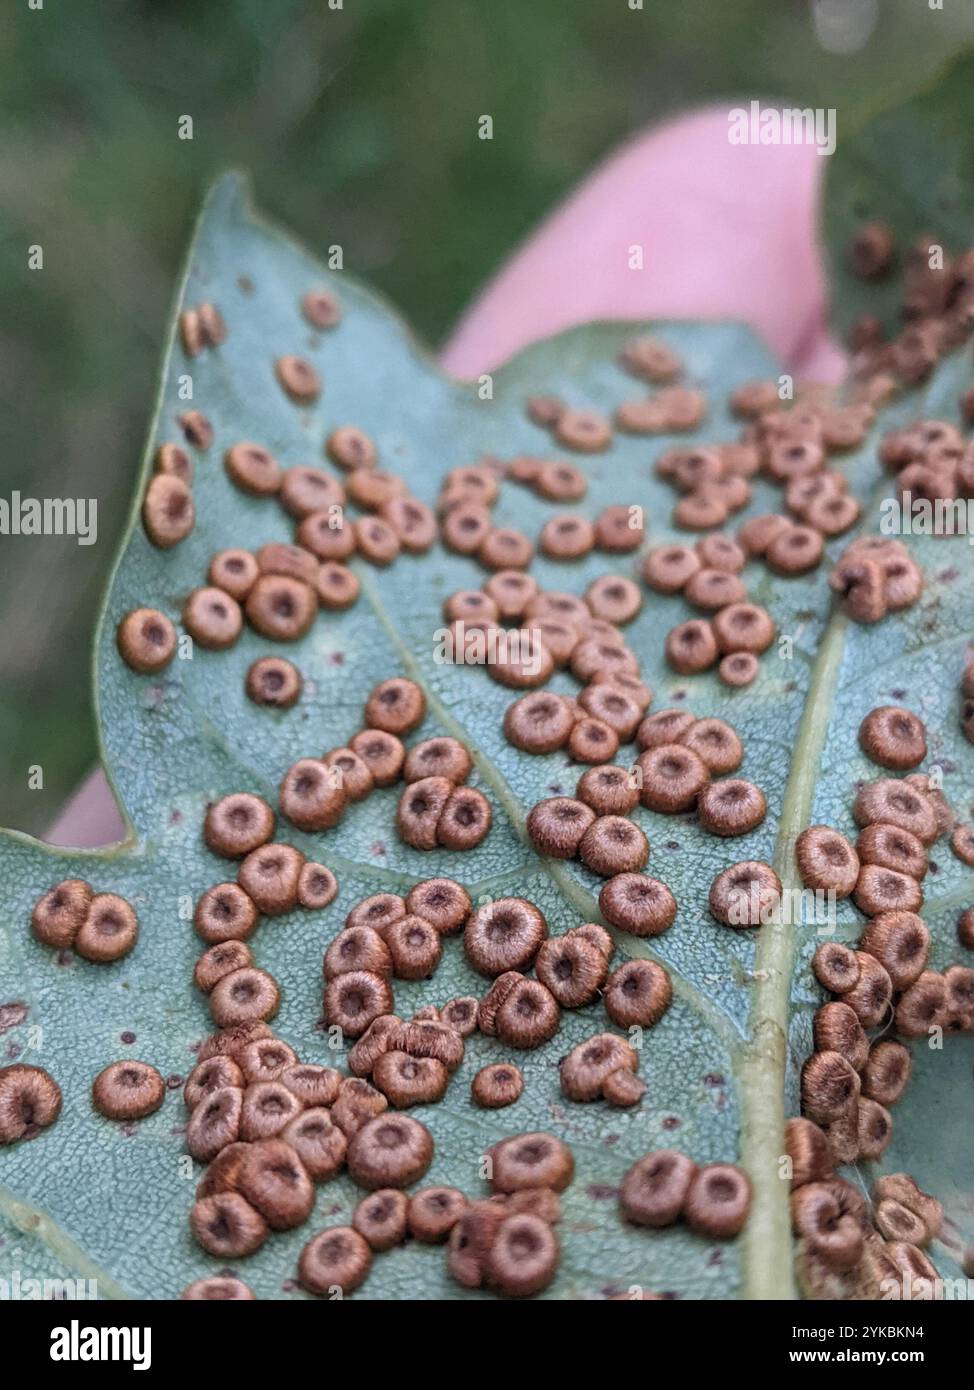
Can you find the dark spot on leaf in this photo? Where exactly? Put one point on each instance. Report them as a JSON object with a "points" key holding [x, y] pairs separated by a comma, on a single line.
{"points": [[601, 1192], [128, 1037], [679, 695], [898, 694], [63, 958], [671, 1122], [789, 687], [13, 1050], [128, 1130], [611, 1139], [949, 575], [244, 284], [11, 1015], [337, 658], [672, 844], [174, 1082], [556, 789], [176, 818], [713, 1078]]}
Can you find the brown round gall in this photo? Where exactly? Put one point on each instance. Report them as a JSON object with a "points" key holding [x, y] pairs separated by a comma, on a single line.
{"points": [[731, 807], [572, 969], [269, 876], [637, 994], [299, 379], [238, 824], [281, 607], [212, 618], [58, 914], [109, 931], [274, 683], [529, 1161], [665, 726], [217, 1289], [555, 827], [355, 999], [317, 886], [654, 1189], [879, 889], [746, 894], [887, 1072], [503, 935], [743, 627], [396, 706], [321, 308], [522, 1259], [826, 861], [497, 1085], [168, 513], [390, 1151], [382, 753], [668, 568], [613, 845], [30, 1100], [420, 807], [637, 904], [146, 640], [836, 967], [305, 491], [892, 802], [227, 1226], [253, 469], [673, 778], [357, 948], [527, 1016], [128, 1091], [381, 1218], [465, 819], [738, 668], [718, 1201], [225, 913], [414, 946], [609, 791], [441, 902], [242, 996], [311, 796], [894, 738], [691, 647], [220, 960]]}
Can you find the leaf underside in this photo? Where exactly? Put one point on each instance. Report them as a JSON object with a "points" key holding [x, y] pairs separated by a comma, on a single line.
{"points": [[92, 1200]]}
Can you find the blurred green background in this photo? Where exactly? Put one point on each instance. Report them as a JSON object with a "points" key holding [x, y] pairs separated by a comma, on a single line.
{"points": [[358, 125]]}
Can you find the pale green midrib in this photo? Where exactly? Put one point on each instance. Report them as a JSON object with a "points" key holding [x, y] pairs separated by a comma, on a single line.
{"points": [[767, 1260], [34, 1222], [767, 1238]]}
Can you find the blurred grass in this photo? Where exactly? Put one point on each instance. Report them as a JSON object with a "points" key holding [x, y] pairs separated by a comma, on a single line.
{"points": [[359, 127]]}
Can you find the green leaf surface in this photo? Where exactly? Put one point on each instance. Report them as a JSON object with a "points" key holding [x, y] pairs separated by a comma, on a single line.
{"points": [[721, 1067], [910, 167]]}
